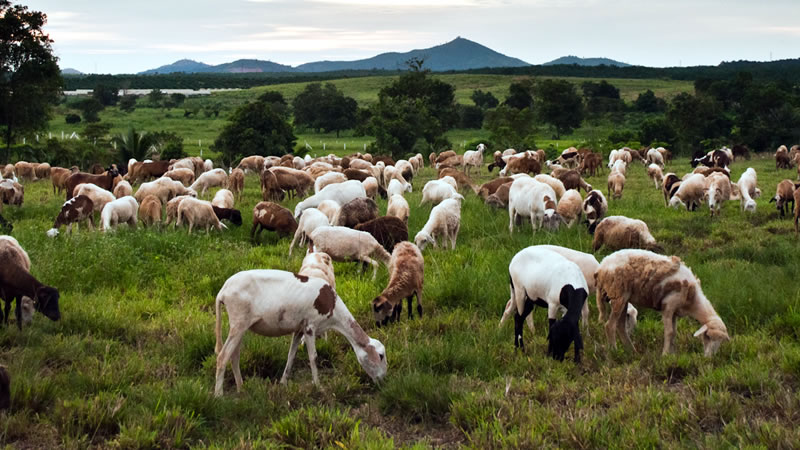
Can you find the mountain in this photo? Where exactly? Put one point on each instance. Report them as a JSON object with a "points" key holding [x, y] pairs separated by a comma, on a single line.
{"points": [[585, 61], [69, 71], [458, 54], [183, 65], [252, 65], [238, 66]]}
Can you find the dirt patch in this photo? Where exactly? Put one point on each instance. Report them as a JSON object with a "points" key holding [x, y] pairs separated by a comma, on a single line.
{"points": [[443, 436]]}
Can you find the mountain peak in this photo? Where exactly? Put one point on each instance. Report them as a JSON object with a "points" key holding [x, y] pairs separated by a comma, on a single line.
{"points": [[571, 59]]}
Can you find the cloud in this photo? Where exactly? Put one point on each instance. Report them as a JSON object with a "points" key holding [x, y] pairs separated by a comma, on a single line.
{"points": [[780, 30]]}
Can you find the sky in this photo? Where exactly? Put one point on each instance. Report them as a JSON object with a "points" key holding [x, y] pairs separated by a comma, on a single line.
{"points": [[115, 36]]}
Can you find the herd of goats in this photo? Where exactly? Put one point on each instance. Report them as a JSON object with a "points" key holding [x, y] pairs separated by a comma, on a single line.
{"points": [[340, 221]]}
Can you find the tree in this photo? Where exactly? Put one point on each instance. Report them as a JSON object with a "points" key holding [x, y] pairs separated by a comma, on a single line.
{"points": [[324, 108], [30, 80], [89, 108], [170, 145], [510, 127], [484, 100], [255, 129], [133, 145], [274, 100], [127, 103], [558, 103], [696, 118], [106, 94], [72, 118], [520, 95], [656, 130], [96, 131], [414, 107], [471, 116], [177, 99], [155, 98], [647, 102], [602, 97]]}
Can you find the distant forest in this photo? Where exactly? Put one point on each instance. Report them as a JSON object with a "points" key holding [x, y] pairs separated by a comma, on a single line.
{"points": [[783, 70]]}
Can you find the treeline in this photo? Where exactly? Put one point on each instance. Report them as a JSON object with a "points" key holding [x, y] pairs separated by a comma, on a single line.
{"points": [[209, 80], [787, 69]]}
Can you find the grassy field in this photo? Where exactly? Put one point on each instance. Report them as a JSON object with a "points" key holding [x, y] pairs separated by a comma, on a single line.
{"points": [[199, 131], [131, 363]]}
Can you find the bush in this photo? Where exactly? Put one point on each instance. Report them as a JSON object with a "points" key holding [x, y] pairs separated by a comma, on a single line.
{"points": [[72, 118]]}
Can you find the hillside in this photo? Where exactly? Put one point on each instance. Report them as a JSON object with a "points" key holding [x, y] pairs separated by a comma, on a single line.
{"points": [[238, 66], [458, 54], [585, 61]]}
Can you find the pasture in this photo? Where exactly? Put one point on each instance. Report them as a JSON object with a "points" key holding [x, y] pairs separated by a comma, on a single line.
{"points": [[199, 131], [131, 363]]}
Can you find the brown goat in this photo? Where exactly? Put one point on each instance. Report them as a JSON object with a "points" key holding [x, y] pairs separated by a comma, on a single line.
{"points": [[236, 182], [150, 211], [591, 163], [784, 195], [490, 187], [387, 230], [105, 181], [572, 180], [272, 217], [500, 197], [462, 180], [406, 278], [270, 189], [75, 210], [356, 211], [59, 175], [524, 164], [356, 174], [292, 180], [42, 170], [146, 170]]}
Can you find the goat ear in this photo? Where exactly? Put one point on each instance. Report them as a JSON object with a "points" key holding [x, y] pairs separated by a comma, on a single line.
{"points": [[702, 330]]}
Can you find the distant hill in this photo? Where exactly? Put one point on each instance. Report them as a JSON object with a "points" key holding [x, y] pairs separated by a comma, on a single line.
{"points": [[183, 65], [69, 71], [238, 66], [585, 61], [458, 54]]}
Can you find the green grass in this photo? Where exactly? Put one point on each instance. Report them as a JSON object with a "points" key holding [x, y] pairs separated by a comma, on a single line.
{"points": [[131, 363], [199, 131]]}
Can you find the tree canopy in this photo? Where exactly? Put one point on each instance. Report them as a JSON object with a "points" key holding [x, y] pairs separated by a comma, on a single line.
{"points": [[30, 80], [255, 129], [558, 104], [414, 108], [324, 108]]}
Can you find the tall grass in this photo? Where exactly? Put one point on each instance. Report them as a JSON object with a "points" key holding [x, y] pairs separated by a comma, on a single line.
{"points": [[131, 363]]}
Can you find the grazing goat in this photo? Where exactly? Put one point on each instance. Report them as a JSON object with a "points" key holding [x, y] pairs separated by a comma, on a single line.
{"points": [[387, 230], [198, 213], [277, 303], [121, 210], [658, 282], [444, 221], [310, 220], [537, 277], [346, 244], [784, 195], [17, 283], [406, 277], [272, 217], [75, 210]]}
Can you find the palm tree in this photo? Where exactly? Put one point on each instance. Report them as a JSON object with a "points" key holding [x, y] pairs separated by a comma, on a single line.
{"points": [[134, 145]]}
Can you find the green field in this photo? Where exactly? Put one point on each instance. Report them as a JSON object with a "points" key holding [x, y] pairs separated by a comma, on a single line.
{"points": [[199, 132], [131, 363]]}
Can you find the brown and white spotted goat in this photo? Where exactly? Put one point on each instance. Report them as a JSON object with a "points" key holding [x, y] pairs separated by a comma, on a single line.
{"points": [[277, 303]]}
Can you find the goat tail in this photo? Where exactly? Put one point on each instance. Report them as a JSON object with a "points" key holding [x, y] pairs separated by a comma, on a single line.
{"points": [[218, 326]]}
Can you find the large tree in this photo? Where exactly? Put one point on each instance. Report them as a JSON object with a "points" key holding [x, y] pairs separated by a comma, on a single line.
{"points": [[255, 129], [558, 103], [30, 80], [414, 108], [324, 108]]}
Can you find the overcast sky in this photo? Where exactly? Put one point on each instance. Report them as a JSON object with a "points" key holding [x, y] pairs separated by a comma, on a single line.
{"points": [[112, 36]]}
